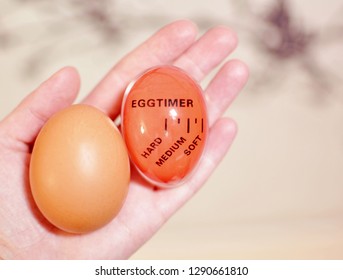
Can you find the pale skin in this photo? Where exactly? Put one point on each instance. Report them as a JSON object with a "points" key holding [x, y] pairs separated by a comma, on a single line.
{"points": [[24, 232]]}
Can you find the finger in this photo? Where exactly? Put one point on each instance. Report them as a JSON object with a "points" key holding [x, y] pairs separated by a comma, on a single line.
{"points": [[59, 91], [162, 48], [209, 51], [224, 87]]}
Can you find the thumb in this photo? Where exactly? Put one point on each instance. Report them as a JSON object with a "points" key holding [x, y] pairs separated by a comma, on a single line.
{"points": [[56, 93]]}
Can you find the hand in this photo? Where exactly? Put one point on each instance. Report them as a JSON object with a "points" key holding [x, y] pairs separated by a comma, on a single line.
{"points": [[24, 232]]}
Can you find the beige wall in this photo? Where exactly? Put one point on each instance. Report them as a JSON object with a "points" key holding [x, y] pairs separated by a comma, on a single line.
{"points": [[278, 193]]}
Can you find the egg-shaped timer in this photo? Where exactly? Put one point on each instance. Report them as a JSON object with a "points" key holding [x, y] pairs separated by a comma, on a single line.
{"points": [[164, 125]]}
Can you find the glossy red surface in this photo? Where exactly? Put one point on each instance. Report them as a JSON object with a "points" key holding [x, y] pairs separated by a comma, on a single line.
{"points": [[164, 124]]}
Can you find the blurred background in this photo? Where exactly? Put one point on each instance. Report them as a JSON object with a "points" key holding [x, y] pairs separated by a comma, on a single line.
{"points": [[278, 193]]}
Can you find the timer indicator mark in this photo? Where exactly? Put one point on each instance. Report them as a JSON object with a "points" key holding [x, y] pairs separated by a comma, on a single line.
{"points": [[189, 127]]}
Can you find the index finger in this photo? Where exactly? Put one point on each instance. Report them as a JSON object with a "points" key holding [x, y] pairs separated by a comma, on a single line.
{"points": [[107, 95]]}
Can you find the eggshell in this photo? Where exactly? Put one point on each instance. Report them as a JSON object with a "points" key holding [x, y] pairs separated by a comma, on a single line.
{"points": [[79, 169], [165, 125]]}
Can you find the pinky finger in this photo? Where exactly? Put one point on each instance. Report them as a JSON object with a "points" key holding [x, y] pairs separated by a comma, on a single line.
{"points": [[221, 136]]}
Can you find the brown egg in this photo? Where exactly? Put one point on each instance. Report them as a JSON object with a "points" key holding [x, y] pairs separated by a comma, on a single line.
{"points": [[79, 169]]}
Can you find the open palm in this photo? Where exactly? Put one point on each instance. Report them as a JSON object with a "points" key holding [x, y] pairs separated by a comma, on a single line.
{"points": [[24, 232]]}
